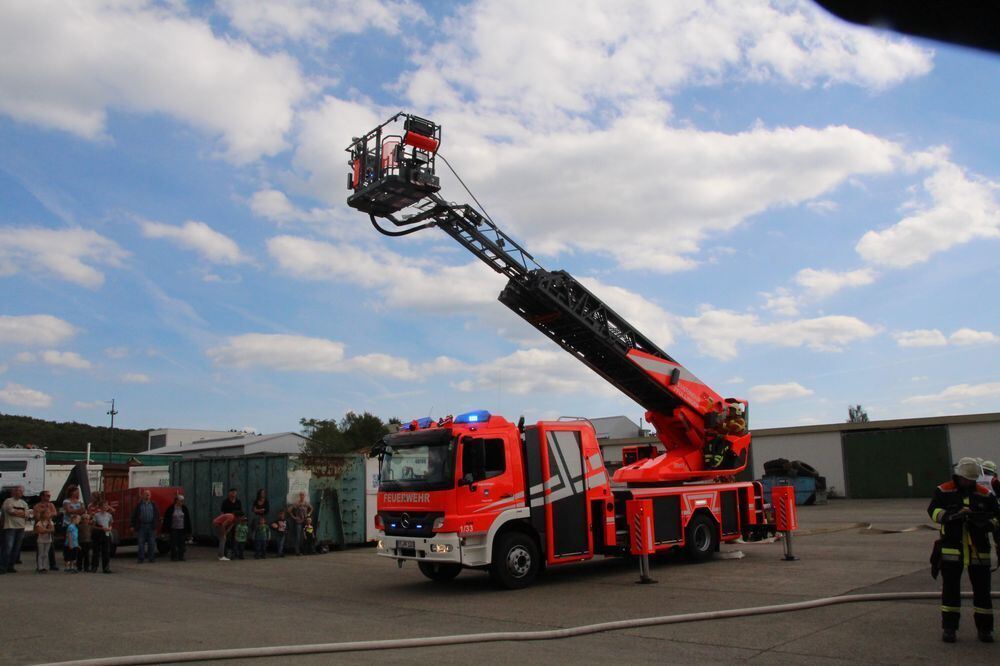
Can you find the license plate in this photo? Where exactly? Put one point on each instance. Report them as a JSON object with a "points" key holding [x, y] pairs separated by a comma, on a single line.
{"points": [[406, 543]]}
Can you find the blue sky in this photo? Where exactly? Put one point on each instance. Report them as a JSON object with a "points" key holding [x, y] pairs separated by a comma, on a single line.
{"points": [[802, 212]]}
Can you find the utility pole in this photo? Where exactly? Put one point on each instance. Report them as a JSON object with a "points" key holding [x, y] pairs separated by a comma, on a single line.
{"points": [[111, 413]]}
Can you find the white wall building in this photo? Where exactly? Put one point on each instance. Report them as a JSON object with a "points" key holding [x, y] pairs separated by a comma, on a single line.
{"points": [[177, 437], [238, 444]]}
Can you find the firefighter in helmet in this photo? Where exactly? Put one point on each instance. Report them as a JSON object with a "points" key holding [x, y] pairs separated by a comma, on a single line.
{"points": [[967, 514]]}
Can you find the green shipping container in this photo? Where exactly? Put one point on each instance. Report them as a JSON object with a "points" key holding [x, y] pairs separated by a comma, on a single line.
{"points": [[335, 487]]}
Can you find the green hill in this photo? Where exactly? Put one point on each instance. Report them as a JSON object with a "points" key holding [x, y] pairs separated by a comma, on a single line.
{"points": [[71, 436]]}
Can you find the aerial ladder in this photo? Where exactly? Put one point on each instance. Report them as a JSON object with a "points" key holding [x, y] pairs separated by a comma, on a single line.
{"points": [[394, 180]]}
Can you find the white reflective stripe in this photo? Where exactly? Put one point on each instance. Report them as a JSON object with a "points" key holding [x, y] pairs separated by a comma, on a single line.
{"points": [[597, 479], [595, 461], [505, 500]]}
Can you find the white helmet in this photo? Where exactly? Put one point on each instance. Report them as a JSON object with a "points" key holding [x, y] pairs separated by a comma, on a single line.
{"points": [[990, 467], [968, 468]]}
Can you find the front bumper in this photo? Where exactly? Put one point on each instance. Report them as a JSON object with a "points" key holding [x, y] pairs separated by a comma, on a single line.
{"points": [[446, 547]]}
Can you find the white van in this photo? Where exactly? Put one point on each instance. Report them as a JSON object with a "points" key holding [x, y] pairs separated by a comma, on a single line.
{"points": [[22, 467]]}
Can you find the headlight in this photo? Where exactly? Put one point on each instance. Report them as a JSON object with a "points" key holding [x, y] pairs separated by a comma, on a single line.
{"points": [[438, 523], [440, 548]]}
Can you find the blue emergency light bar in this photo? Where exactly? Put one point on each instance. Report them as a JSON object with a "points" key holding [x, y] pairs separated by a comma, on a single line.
{"points": [[478, 416]]}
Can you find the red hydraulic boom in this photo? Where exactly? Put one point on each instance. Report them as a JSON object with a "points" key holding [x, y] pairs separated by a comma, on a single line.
{"points": [[705, 435]]}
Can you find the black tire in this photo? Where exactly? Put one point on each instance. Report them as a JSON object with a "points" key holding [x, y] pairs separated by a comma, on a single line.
{"points": [[440, 572], [701, 538], [516, 561]]}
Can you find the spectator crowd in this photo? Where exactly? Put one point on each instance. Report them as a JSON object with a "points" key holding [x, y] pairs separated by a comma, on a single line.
{"points": [[85, 530]]}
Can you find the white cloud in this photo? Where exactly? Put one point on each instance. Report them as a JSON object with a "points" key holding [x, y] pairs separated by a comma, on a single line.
{"points": [[316, 21], [116, 352], [776, 392], [22, 396], [968, 336], [70, 254], [25, 357], [542, 58], [401, 281], [824, 283], [65, 359], [198, 236], [962, 207], [681, 183], [67, 65], [719, 333], [922, 337], [3, 368], [932, 337], [275, 205], [34, 330], [823, 206], [535, 371], [299, 353], [135, 378], [781, 302], [958, 393]]}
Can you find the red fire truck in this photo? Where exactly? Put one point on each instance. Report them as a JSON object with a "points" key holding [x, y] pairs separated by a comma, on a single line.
{"points": [[477, 491]]}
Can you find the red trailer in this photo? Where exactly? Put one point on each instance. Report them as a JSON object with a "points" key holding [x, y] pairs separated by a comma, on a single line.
{"points": [[123, 503]]}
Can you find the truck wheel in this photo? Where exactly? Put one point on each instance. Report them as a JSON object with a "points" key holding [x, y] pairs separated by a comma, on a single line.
{"points": [[701, 538], [515, 561], [438, 571]]}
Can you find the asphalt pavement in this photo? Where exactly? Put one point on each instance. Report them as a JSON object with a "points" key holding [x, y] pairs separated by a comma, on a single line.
{"points": [[847, 546]]}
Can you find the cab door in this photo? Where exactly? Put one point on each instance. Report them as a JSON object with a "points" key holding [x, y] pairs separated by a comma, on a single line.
{"points": [[486, 479]]}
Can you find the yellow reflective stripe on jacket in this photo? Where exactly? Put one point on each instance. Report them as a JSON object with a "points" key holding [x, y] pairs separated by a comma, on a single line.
{"points": [[983, 611], [936, 516], [950, 551], [951, 609]]}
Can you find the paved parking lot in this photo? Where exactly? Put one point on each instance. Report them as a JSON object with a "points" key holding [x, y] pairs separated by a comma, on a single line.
{"points": [[353, 595]]}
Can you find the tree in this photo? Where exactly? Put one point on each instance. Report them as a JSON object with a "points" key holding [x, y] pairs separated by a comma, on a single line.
{"points": [[354, 432], [856, 414]]}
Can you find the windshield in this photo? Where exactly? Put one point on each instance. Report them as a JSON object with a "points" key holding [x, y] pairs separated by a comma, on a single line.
{"points": [[418, 465]]}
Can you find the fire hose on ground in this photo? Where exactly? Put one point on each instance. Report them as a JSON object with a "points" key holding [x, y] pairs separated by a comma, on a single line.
{"points": [[492, 637]]}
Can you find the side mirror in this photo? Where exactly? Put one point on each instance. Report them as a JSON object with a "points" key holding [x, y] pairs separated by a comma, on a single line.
{"points": [[467, 480]]}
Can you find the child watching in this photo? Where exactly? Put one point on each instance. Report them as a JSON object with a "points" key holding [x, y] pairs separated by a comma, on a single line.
{"points": [[242, 531], [280, 527], [261, 536], [44, 527], [102, 521], [86, 543], [72, 548], [309, 533]]}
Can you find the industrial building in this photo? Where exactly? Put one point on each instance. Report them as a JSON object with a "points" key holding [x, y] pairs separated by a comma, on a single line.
{"points": [[233, 444], [891, 458]]}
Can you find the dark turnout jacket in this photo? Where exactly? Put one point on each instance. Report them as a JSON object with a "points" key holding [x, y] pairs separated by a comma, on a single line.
{"points": [[965, 537]]}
